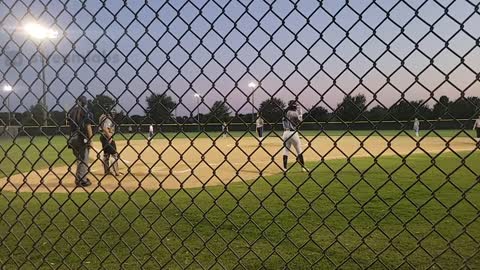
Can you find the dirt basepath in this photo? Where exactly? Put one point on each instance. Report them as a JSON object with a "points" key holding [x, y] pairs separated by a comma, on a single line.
{"points": [[182, 163]]}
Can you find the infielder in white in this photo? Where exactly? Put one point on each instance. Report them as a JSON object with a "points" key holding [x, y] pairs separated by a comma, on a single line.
{"points": [[224, 129], [416, 127], [476, 127], [291, 121], [150, 132]]}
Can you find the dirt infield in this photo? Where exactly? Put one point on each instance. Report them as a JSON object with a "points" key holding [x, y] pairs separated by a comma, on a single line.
{"points": [[182, 163]]}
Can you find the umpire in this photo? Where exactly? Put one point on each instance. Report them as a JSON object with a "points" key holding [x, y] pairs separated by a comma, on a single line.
{"points": [[107, 130], [80, 121]]}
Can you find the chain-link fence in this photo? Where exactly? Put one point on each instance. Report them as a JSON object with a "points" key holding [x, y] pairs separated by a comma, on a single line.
{"points": [[239, 134]]}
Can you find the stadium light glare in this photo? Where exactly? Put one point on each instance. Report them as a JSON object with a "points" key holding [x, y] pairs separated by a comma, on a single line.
{"points": [[7, 88], [37, 31]]}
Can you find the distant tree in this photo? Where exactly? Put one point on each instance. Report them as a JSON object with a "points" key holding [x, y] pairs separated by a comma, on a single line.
{"points": [[317, 113], [272, 110], [440, 109], [465, 108], [36, 115], [57, 118], [408, 110], [377, 113], [351, 107], [160, 108], [100, 105], [219, 112]]}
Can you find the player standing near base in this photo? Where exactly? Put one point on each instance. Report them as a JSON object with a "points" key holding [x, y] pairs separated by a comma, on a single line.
{"points": [[224, 129], [150, 132], [416, 127], [291, 120], [259, 125], [476, 127], [107, 130], [80, 121]]}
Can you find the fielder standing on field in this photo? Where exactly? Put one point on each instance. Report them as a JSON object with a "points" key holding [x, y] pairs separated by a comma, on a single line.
{"points": [[224, 129], [476, 127], [291, 121], [150, 132], [416, 127], [107, 130], [259, 125], [80, 121]]}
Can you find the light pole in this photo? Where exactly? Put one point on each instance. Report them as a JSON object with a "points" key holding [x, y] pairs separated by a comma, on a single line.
{"points": [[7, 89], [38, 32], [253, 86], [198, 98]]}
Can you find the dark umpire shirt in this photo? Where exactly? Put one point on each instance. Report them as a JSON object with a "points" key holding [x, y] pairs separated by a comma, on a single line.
{"points": [[78, 119]]}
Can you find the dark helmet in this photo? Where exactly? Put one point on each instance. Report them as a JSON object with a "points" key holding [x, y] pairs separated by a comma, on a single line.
{"points": [[82, 101], [292, 105]]}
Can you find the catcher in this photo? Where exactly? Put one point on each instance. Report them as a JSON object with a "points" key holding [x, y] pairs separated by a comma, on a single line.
{"points": [[107, 130]]}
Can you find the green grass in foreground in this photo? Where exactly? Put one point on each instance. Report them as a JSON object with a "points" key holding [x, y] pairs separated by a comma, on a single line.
{"points": [[335, 218], [23, 154]]}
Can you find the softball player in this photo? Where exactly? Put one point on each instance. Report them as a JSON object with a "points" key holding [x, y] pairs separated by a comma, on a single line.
{"points": [[224, 129], [150, 132], [259, 124], [476, 127], [416, 127], [107, 130], [291, 120]]}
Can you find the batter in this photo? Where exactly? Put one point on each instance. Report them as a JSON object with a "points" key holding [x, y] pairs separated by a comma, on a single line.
{"points": [[291, 120]]}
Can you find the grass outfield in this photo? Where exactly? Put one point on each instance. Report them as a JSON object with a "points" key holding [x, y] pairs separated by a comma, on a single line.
{"points": [[335, 218], [23, 154]]}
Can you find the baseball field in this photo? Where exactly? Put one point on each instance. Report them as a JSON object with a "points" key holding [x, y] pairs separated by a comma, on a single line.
{"points": [[205, 201]]}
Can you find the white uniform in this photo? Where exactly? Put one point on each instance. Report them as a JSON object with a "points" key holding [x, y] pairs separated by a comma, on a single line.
{"points": [[416, 127], [224, 130], [259, 125], [150, 132], [290, 134], [477, 128]]}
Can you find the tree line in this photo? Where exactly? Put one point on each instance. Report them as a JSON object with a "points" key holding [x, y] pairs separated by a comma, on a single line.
{"points": [[160, 109]]}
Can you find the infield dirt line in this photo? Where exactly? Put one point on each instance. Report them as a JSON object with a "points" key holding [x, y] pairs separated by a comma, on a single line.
{"points": [[150, 169]]}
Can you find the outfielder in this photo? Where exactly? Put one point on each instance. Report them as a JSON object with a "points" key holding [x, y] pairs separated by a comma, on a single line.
{"points": [[150, 132], [107, 130], [224, 129], [291, 120], [259, 125], [476, 127], [416, 127]]}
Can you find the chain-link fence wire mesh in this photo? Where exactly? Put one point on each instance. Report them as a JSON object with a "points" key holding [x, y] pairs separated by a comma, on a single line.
{"points": [[186, 83]]}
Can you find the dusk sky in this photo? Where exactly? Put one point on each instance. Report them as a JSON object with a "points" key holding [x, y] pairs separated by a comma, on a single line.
{"points": [[216, 48]]}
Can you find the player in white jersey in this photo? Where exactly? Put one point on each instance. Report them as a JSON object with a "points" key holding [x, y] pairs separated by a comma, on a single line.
{"points": [[107, 131], [150, 132], [416, 127], [476, 127], [259, 125], [291, 120], [224, 129]]}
